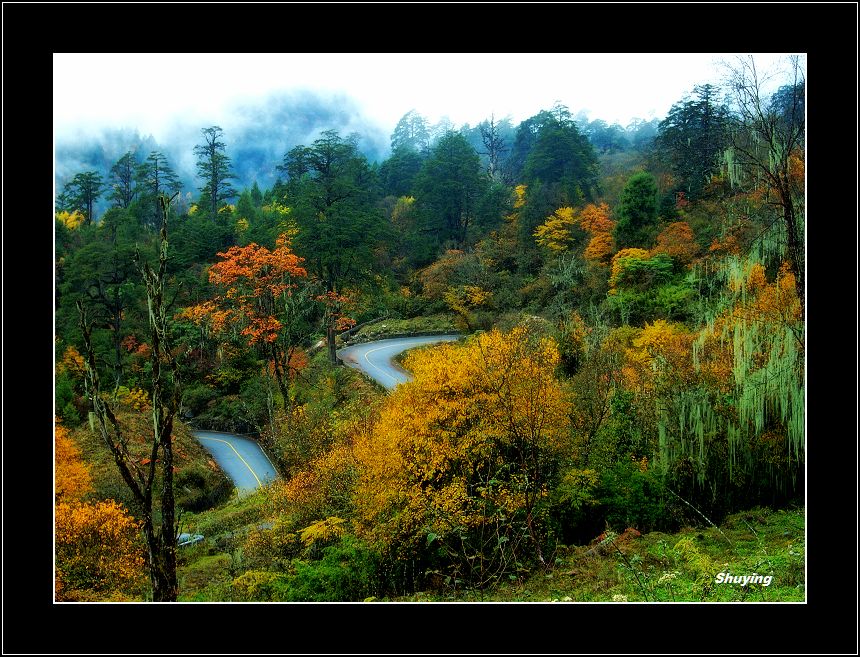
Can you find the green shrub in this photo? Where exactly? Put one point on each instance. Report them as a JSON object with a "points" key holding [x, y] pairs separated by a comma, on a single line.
{"points": [[198, 489], [633, 495], [348, 571], [196, 398]]}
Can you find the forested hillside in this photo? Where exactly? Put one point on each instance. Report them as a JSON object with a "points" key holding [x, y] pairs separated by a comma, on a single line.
{"points": [[630, 304]]}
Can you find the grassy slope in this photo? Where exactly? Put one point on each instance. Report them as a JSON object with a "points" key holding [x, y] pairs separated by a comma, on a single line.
{"points": [[652, 568], [388, 327]]}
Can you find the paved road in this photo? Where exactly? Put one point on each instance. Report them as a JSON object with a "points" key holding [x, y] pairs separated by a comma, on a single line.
{"points": [[374, 358], [240, 458]]}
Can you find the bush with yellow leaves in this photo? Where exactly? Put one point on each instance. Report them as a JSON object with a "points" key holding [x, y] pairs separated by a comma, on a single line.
{"points": [[461, 460]]}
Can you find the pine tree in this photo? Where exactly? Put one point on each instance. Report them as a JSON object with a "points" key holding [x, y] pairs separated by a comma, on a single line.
{"points": [[213, 166]]}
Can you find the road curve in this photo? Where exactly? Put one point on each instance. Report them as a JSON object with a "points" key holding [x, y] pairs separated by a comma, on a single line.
{"points": [[374, 358], [242, 459]]}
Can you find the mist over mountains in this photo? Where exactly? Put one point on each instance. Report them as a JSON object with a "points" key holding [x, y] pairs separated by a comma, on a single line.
{"points": [[257, 135]]}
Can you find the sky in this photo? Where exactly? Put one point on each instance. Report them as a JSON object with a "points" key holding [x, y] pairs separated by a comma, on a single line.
{"points": [[151, 92]]}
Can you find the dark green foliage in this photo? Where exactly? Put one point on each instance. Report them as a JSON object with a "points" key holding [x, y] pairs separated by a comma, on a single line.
{"points": [[449, 187], [693, 137], [539, 204], [644, 273], [332, 185], [524, 142], [397, 174], [607, 138], [636, 307], [197, 398], [637, 213], [122, 179], [213, 166], [101, 273], [82, 192], [564, 159], [256, 195], [348, 571], [198, 488], [64, 396], [493, 205], [633, 497], [154, 177], [199, 237]]}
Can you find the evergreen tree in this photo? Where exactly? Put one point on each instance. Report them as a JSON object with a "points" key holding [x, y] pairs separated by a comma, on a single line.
{"points": [[213, 166], [339, 225], [256, 195], [637, 213], [693, 137], [449, 185], [397, 173], [82, 192], [411, 132], [154, 178], [122, 179]]}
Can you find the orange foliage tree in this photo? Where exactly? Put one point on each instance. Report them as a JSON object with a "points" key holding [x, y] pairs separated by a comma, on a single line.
{"points": [[260, 297], [678, 242], [463, 456], [556, 233]]}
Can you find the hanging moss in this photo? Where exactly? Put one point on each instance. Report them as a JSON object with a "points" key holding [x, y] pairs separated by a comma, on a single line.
{"points": [[767, 379]]}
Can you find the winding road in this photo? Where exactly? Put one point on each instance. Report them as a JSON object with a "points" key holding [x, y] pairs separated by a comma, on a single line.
{"points": [[374, 358], [242, 459], [245, 462]]}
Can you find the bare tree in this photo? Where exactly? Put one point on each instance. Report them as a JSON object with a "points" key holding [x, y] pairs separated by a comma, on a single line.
{"points": [[768, 134], [161, 542]]}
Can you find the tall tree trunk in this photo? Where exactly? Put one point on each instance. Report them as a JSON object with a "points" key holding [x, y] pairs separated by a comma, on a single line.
{"points": [[168, 585]]}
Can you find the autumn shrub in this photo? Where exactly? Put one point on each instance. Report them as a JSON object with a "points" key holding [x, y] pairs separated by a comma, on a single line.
{"points": [[457, 469], [260, 586], [273, 545], [72, 479], [99, 550]]}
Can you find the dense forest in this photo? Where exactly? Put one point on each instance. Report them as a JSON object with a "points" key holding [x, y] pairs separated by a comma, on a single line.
{"points": [[630, 304]]}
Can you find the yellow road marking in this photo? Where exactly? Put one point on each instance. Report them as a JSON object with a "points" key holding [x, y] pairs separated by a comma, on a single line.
{"points": [[377, 368], [259, 483]]}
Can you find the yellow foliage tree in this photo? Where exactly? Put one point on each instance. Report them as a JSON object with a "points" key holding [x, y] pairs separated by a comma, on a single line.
{"points": [[466, 451], [464, 299], [71, 220], [554, 233], [72, 363], [72, 478], [661, 353], [98, 550]]}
